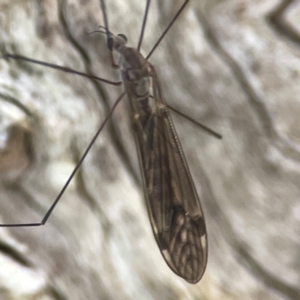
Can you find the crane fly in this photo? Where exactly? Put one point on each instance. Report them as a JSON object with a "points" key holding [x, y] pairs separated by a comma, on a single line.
{"points": [[173, 205]]}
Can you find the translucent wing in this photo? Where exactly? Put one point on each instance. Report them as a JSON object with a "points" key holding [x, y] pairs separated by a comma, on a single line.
{"points": [[173, 205]]}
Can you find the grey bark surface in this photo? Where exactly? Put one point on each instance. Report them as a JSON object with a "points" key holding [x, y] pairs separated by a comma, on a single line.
{"points": [[232, 65]]}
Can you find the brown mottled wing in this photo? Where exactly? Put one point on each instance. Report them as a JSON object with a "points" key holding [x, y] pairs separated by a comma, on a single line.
{"points": [[174, 207]]}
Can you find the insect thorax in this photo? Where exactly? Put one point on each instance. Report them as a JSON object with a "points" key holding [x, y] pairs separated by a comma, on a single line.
{"points": [[135, 72]]}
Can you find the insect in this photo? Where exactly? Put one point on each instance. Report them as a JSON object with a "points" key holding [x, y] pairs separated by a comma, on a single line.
{"points": [[173, 205]]}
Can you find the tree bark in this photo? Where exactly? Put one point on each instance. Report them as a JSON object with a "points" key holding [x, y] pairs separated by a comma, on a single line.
{"points": [[231, 65]]}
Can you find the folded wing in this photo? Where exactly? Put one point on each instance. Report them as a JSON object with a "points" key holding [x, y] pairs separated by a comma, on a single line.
{"points": [[173, 204]]}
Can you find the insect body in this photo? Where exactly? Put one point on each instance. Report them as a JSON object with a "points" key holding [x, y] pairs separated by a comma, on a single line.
{"points": [[173, 204]]}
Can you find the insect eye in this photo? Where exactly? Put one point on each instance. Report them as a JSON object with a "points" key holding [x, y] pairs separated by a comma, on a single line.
{"points": [[123, 36]]}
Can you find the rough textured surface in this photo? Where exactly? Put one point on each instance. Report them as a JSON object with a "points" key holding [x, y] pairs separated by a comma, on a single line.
{"points": [[234, 66]]}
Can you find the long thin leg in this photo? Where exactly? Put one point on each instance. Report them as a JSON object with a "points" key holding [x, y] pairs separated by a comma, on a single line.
{"points": [[205, 128], [61, 68], [144, 25], [47, 215], [103, 9], [167, 29], [109, 38]]}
